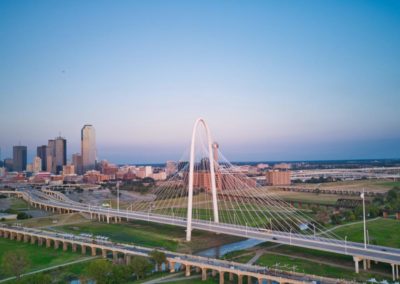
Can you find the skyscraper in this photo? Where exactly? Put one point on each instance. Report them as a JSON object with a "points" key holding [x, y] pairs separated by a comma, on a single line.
{"points": [[37, 165], [88, 147], [19, 158], [41, 153], [56, 155], [77, 162], [49, 155]]}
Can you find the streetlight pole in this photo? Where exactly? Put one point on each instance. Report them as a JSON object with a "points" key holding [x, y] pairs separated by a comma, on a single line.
{"points": [[118, 196], [365, 224]]}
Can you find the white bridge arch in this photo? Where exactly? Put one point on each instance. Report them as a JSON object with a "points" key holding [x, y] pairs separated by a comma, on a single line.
{"points": [[191, 173]]}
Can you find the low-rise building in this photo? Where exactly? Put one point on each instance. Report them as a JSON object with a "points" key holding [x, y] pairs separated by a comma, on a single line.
{"points": [[276, 177]]}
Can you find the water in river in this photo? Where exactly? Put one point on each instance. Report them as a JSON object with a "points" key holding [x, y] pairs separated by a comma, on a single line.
{"points": [[219, 251]]}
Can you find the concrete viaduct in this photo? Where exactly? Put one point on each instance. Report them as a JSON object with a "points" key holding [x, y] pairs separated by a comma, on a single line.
{"points": [[188, 263], [106, 216]]}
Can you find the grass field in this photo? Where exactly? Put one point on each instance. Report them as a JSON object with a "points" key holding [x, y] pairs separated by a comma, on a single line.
{"points": [[40, 257], [368, 185], [151, 235], [18, 204], [194, 281], [51, 220], [312, 267], [385, 232]]}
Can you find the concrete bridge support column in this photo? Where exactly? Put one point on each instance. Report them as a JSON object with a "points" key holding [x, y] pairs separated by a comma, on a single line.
{"points": [[98, 216], [356, 264], [74, 247], [203, 273], [368, 263], [269, 281], [19, 237], [94, 251], [127, 259], [5, 235], [1, 233], [26, 238], [187, 272], [214, 273], [48, 243], [65, 246], [104, 253], [56, 244], [83, 249], [230, 276], [248, 279], [40, 241], [397, 271], [221, 277], [260, 280], [365, 264], [108, 219], [171, 266], [394, 271], [115, 257], [240, 279], [33, 240]]}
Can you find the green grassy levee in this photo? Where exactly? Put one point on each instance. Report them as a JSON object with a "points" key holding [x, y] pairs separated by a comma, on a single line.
{"points": [[40, 257]]}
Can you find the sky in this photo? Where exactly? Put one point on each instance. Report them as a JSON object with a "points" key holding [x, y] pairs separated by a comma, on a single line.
{"points": [[275, 80]]}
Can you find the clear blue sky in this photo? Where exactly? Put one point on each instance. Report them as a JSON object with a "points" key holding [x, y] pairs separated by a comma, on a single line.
{"points": [[276, 80]]}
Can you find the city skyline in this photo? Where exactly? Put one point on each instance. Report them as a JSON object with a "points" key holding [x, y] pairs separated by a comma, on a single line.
{"points": [[305, 81]]}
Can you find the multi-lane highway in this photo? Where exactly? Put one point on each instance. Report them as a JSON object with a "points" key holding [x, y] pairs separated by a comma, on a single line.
{"points": [[357, 250], [173, 258]]}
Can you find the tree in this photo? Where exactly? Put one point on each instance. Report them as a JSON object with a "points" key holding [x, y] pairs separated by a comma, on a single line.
{"points": [[15, 263], [39, 278], [120, 274], [140, 266], [100, 270], [373, 211], [158, 257]]}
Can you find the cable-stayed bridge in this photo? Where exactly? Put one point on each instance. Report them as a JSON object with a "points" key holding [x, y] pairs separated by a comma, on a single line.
{"points": [[208, 193]]}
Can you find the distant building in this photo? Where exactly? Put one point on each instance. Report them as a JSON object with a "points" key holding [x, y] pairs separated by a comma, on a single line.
{"points": [[29, 168], [275, 177], [56, 155], [282, 166], [19, 158], [94, 177], [68, 170], [88, 147], [159, 176], [183, 165], [41, 153], [77, 162], [9, 164], [170, 168], [60, 154], [37, 165], [262, 166], [143, 172]]}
